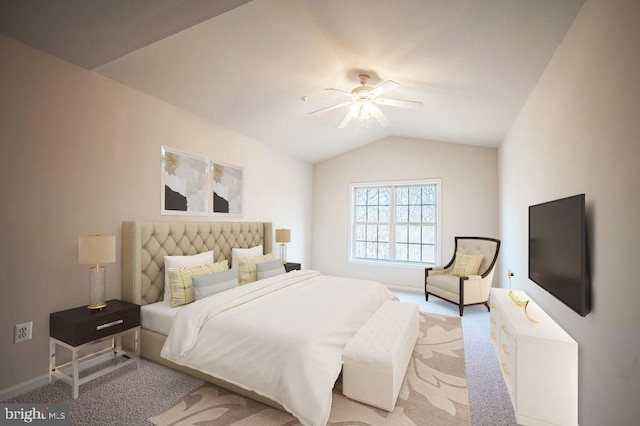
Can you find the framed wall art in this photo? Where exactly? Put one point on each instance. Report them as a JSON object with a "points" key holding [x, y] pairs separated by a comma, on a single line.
{"points": [[226, 187], [185, 180]]}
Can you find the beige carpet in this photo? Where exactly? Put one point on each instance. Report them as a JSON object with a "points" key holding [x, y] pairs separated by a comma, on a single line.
{"points": [[434, 392]]}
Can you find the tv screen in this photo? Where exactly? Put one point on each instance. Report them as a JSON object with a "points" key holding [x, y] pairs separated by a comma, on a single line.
{"points": [[558, 251]]}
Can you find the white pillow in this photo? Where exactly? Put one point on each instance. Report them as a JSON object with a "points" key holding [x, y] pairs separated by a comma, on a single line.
{"points": [[183, 262], [237, 253]]}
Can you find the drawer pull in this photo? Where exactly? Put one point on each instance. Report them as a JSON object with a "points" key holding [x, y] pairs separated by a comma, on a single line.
{"points": [[493, 336], [493, 320], [504, 330], [504, 349], [109, 324], [493, 306], [504, 368]]}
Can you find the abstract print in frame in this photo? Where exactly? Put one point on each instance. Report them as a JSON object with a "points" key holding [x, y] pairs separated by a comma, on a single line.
{"points": [[226, 185], [185, 180]]}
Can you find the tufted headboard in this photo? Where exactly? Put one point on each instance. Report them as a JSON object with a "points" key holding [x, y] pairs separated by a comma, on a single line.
{"points": [[144, 245]]}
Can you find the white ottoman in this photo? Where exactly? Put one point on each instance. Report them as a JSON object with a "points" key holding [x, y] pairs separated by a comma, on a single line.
{"points": [[376, 359]]}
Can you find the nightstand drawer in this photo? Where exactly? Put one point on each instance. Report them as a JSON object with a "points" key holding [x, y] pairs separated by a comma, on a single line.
{"points": [[81, 325]]}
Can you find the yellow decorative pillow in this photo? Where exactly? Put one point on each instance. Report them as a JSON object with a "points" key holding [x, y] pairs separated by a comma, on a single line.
{"points": [[181, 281], [466, 264], [247, 267]]}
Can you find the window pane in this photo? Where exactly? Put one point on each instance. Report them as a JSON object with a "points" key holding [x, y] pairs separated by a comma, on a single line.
{"points": [[402, 214], [361, 214], [429, 254], [385, 214], [383, 233], [361, 250], [384, 197], [361, 197], [428, 195], [402, 234], [415, 254], [401, 252], [383, 251], [372, 197], [414, 214], [429, 214], [415, 193], [429, 234], [372, 250], [372, 233], [361, 232], [415, 234], [372, 214], [402, 196]]}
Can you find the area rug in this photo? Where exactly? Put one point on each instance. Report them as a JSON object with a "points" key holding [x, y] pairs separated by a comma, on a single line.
{"points": [[434, 392]]}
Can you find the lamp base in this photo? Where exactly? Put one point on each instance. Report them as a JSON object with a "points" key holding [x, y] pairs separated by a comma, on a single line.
{"points": [[97, 287], [97, 306]]}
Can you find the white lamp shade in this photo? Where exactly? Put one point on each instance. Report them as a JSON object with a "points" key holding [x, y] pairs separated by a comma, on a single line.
{"points": [[96, 249], [283, 235]]}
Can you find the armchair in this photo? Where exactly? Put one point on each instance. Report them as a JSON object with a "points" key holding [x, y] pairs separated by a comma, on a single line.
{"points": [[467, 289]]}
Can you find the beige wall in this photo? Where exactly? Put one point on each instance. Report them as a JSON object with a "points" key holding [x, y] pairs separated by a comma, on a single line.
{"points": [[469, 199], [579, 132], [81, 154]]}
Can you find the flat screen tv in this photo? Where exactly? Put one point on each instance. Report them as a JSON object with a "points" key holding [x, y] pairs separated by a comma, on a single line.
{"points": [[558, 251]]}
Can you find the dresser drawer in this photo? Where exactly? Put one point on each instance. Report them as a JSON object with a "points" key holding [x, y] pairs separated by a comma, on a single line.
{"points": [[81, 325]]}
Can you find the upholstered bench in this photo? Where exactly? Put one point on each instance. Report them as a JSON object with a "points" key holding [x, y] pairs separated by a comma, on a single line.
{"points": [[376, 358]]}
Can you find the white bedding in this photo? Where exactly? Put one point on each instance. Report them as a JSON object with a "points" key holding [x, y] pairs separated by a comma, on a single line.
{"points": [[281, 337], [158, 316]]}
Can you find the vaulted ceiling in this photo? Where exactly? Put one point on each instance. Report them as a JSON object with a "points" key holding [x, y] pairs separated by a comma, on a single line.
{"points": [[259, 67]]}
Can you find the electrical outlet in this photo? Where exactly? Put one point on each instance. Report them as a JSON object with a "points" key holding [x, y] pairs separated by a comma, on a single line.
{"points": [[22, 332], [509, 273]]}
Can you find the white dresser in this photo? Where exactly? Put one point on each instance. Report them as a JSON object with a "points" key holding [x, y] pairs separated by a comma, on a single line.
{"points": [[539, 362]]}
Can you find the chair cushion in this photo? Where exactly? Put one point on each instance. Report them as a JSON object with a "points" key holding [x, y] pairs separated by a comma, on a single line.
{"points": [[466, 264], [449, 283]]}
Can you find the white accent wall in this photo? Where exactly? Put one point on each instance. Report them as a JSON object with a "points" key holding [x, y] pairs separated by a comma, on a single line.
{"points": [[579, 132], [80, 154], [469, 199]]}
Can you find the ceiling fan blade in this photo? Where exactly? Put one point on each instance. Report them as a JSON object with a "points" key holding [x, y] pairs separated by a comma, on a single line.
{"points": [[346, 121], [340, 91], [382, 119], [399, 103], [332, 107], [385, 87]]}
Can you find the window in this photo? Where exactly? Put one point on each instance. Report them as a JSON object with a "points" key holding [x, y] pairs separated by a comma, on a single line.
{"points": [[396, 222]]}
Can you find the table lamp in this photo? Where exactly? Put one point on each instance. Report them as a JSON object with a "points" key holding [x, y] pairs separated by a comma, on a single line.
{"points": [[283, 236], [95, 250]]}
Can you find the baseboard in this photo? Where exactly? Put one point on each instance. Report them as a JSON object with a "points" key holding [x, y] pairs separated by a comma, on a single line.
{"points": [[42, 380], [402, 289]]}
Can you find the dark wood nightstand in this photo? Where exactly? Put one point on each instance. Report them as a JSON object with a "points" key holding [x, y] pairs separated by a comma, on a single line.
{"points": [[79, 328], [289, 266]]}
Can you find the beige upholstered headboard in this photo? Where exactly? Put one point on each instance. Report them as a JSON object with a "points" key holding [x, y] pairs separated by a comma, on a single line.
{"points": [[144, 245]]}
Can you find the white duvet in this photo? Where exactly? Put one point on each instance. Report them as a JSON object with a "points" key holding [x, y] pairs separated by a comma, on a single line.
{"points": [[281, 337]]}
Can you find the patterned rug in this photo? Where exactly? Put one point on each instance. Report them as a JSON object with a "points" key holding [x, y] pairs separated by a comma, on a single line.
{"points": [[434, 392]]}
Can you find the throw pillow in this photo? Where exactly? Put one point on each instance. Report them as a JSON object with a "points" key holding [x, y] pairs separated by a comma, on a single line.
{"points": [[181, 280], [183, 262], [466, 264], [206, 285], [269, 269], [238, 253], [247, 267]]}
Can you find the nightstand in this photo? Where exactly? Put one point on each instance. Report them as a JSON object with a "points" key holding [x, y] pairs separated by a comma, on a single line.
{"points": [[79, 328], [289, 266]]}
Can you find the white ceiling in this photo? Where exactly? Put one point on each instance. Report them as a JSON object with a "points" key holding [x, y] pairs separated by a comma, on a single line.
{"points": [[246, 64]]}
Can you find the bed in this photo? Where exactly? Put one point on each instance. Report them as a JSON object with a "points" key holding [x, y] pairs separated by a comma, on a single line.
{"points": [[293, 295]]}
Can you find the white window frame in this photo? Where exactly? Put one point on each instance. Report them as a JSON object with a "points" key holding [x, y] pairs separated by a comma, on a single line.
{"points": [[393, 185]]}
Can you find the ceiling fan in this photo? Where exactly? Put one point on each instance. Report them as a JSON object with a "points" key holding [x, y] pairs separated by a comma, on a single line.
{"points": [[364, 101]]}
